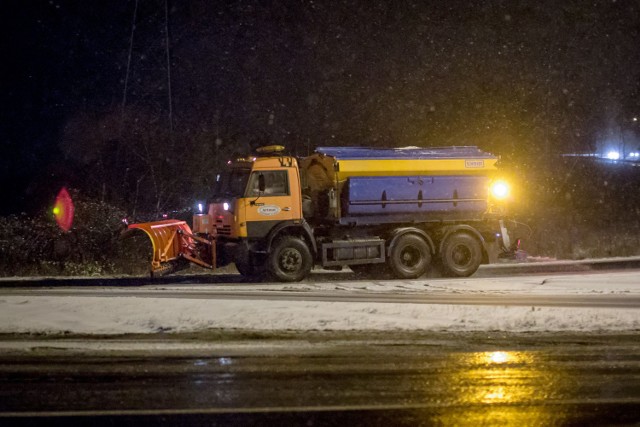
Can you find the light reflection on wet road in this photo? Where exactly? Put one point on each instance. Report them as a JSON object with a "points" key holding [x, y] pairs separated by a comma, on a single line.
{"points": [[464, 379]]}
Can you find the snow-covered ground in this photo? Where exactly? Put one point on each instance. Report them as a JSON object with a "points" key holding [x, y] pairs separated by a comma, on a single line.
{"points": [[117, 314]]}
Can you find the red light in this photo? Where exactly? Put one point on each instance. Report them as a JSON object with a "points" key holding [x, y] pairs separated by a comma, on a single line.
{"points": [[63, 210]]}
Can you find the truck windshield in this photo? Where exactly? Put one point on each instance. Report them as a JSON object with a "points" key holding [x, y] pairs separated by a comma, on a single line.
{"points": [[231, 183]]}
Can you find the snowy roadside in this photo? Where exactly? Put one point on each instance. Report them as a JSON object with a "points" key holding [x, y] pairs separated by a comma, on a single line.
{"points": [[108, 315]]}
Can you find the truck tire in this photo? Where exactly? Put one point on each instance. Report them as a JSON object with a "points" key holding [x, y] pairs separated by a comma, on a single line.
{"points": [[410, 257], [290, 260], [249, 267], [461, 255]]}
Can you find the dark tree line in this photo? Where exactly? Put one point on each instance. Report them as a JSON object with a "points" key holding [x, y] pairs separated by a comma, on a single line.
{"points": [[523, 80]]}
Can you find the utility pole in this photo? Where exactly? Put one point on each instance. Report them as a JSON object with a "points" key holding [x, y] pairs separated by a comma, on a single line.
{"points": [[147, 79], [146, 111]]}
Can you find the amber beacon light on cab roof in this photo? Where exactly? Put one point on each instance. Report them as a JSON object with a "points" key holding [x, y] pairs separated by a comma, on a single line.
{"points": [[406, 210]]}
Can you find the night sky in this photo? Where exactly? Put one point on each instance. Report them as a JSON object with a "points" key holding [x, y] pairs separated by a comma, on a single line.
{"points": [[523, 79]]}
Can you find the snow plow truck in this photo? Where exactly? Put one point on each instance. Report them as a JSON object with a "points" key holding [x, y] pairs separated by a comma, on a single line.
{"points": [[382, 212]]}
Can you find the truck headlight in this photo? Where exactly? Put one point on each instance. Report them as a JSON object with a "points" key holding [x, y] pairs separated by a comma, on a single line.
{"points": [[225, 206], [499, 190]]}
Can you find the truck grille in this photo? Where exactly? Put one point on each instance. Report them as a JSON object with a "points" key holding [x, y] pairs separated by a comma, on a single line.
{"points": [[224, 230]]}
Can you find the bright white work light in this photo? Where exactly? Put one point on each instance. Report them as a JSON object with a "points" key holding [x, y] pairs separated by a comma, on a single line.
{"points": [[613, 155]]}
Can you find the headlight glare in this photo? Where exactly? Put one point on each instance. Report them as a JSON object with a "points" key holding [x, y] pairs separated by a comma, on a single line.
{"points": [[499, 190]]}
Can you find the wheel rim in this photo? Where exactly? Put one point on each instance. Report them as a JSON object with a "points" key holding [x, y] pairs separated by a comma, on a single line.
{"points": [[410, 257], [461, 255], [290, 260]]}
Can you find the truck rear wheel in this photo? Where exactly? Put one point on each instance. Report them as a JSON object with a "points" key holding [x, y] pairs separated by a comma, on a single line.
{"points": [[290, 259], [410, 257], [461, 255]]}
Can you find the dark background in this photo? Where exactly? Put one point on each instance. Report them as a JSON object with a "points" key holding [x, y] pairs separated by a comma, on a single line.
{"points": [[527, 80]]}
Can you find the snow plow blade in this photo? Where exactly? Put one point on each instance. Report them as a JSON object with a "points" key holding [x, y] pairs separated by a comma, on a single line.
{"points": [[173, 241]]}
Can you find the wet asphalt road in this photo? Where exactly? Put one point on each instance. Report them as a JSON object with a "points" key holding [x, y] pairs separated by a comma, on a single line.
{"points": [[330, 379]]}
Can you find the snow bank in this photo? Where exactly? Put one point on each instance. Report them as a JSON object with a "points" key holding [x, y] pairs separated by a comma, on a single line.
{"points": [[120, 315]]}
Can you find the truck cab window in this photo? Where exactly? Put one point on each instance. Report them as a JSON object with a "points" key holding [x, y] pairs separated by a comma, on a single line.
{"points": [[231, 184], [276, 184]]}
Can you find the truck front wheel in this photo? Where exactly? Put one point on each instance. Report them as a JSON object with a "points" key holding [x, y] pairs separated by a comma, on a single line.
{"points": [[289, 260], [249, 266], [461, 255], [410, 257]]}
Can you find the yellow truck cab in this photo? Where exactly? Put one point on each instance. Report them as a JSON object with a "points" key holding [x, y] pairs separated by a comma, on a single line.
{"points": [[257, 200]]}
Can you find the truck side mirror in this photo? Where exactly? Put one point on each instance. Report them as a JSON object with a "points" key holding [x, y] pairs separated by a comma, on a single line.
{"points": [[261, 187]]}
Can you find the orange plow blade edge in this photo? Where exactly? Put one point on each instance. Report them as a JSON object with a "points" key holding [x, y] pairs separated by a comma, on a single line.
{"points": [[172, 240]]}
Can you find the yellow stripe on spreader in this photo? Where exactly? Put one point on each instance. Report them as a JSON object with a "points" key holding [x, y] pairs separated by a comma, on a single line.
{"points": [[403, 167]]}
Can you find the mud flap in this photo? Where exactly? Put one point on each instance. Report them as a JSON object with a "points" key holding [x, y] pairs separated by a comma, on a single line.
{"points": [[506, 239]]}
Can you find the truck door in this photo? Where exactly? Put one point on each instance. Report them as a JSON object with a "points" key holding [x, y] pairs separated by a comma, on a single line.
{"points": [[268, 201]]}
